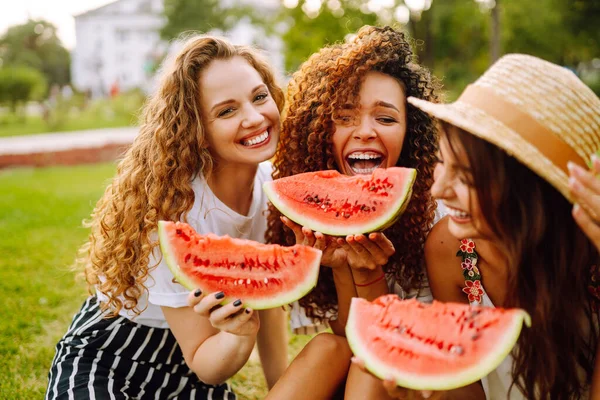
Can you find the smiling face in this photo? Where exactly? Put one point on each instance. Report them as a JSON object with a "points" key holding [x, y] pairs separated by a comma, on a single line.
{"points": [[241, 119], [372, 136], [454, 186]]}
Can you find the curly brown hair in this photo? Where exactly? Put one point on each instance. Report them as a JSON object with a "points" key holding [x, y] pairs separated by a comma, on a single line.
{"points": [[328, 80], [153, 180]]}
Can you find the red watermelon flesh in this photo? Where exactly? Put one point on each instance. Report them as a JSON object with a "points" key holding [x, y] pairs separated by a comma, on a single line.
{"points": [[340, 205], [439, 346], [262, 276]]}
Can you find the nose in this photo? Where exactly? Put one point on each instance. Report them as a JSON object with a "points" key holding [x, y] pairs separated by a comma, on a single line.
{"points": [[252, 117], [365, 130], [441, 188]]}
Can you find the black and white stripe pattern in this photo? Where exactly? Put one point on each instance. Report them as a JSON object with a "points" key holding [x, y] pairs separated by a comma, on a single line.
{"points": [[100, 358]]}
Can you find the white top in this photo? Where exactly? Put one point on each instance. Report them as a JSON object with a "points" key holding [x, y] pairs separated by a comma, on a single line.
{"points": [[208, 215], [301, 324]]}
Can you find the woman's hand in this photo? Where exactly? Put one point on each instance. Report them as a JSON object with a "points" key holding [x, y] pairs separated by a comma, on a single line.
{"points": [[356, 251], [585, 187], [367, 252], [232, 318], [333, 255], [396, 392]]}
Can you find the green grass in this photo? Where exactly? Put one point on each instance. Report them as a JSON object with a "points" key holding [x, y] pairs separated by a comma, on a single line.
{"points": [[72, 115], [11, 125], [40, 230]]}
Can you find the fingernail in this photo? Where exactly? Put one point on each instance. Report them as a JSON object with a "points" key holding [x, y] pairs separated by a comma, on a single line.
{"points": [[574, 168], [247, 310], [354, 359], [576, 208], [426, 394], [237, 303], [574, 185], [594, 158], [197, 293], [219, 295]]}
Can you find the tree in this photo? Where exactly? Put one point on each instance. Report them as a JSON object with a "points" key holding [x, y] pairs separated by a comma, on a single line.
{"points": [[201, 16], [307, 33], [36, 45], [19, 85]]}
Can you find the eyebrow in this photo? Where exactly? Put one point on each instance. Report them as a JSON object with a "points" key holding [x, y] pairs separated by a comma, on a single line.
{"points": [[379, 103], [387, 105], [222, 103]]}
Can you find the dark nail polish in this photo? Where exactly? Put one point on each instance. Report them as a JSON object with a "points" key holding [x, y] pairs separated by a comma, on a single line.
{"points": [[198, 292], [247, 311], [219, 295], [237, 303]]}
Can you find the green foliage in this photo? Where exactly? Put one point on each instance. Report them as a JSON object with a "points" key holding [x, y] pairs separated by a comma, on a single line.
{"points": [[19, 85], [200, 16], [307, 34], [452, 37], [36, 45]]}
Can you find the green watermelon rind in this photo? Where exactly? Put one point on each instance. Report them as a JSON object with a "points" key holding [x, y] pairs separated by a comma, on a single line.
{"points": [[310, 280], [425, 381], [383, 221]]}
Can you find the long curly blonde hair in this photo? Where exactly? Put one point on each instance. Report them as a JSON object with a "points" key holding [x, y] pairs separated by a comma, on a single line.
{"points": [[326, 82], [153, 180]]}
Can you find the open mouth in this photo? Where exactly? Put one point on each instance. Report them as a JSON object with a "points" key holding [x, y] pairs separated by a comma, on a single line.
{"points": [[256, 140], [457, 214], [364, 162]]}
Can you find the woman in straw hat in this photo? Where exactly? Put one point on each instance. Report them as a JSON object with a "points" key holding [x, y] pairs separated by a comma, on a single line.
{"points": [[506, 148]]}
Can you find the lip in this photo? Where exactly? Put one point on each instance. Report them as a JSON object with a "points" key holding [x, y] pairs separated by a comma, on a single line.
{"points": [[456, 219], [348, 169], [255, 146], [256, 133]]}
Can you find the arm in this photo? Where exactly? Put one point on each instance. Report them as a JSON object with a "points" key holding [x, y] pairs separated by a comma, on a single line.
{"points": [[345, 289], [272, 344], [215, 344]]}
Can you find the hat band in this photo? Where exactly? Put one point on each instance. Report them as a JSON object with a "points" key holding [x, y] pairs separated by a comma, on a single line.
{"points": [[523, 124]]}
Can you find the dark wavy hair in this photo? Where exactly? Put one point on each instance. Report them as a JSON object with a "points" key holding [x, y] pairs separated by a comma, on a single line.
{"points": [[328, 80], [549, 266]]}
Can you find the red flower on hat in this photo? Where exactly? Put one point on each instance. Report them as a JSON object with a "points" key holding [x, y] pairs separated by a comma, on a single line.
{"points": [[467, 245], [474, 290]]}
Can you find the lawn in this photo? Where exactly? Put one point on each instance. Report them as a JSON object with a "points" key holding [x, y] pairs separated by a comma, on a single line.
{"points": [[74, 115], [40, 230]]}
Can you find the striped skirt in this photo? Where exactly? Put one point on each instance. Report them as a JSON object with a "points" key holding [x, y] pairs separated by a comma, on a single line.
{"points": [[114, 358]]}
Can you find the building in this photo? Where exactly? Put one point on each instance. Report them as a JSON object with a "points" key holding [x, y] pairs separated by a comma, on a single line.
{"points": [[118, 46]]}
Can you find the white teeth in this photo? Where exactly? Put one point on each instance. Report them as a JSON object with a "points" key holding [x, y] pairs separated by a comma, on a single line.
{"points": [[257, 139], [363, 156], [363, 170], [457, 213]]}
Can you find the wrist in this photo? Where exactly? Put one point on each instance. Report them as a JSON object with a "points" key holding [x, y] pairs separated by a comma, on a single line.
{"points": [[365, 276]]}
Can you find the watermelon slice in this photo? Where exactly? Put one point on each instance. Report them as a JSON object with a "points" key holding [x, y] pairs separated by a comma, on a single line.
{"points": [[340, 205], [439, 346], [261, 275]]}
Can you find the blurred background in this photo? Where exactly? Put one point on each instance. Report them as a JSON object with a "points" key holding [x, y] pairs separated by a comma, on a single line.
{"points": [[74, 74], [69, 65]]}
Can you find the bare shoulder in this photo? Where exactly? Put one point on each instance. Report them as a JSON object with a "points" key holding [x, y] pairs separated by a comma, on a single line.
{"points": [[443, 267]]}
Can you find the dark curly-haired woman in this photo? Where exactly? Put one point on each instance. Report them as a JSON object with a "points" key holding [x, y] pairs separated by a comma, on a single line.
{"points": [[347, 110]]}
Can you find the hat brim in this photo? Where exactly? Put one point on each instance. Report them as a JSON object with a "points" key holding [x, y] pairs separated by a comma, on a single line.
{"points": [[482, 125]]}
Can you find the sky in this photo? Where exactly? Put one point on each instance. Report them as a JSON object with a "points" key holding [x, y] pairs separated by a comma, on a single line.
{"points": [[59, 12]]}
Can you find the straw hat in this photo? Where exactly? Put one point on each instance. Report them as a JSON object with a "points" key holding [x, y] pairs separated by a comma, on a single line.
{"points": [[538, 112]]}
